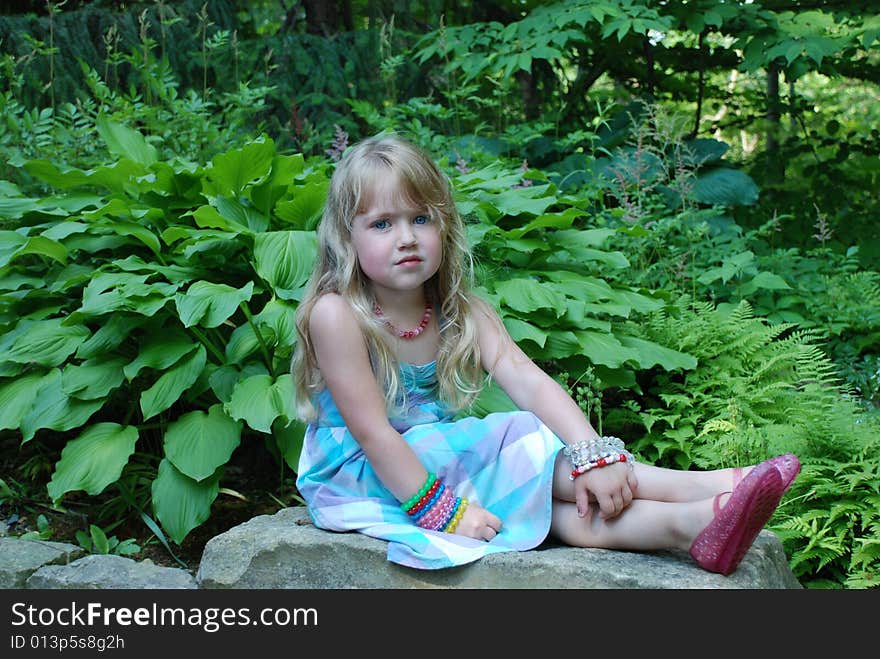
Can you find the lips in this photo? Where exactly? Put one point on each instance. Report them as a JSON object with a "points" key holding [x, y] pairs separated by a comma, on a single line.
{"points": [[409, 259]]}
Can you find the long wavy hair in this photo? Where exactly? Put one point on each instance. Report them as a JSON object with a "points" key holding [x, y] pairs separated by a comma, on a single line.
{"points": [[459, 373]]}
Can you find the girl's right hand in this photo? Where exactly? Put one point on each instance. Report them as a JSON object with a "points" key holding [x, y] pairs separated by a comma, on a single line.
{"points": [[479, 523]]}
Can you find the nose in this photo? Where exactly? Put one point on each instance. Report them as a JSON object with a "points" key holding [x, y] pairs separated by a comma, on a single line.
{"points": [[405, 236]]}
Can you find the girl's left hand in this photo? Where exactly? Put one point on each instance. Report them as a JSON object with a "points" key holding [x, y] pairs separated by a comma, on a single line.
{"points": [[612, 486], [479, 523]]}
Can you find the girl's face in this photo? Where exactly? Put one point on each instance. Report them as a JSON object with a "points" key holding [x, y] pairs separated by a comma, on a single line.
{"points": [[398, 245]]}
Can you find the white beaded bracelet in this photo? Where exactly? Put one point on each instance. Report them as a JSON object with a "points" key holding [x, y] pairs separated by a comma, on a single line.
{"points": [[588, 454]]}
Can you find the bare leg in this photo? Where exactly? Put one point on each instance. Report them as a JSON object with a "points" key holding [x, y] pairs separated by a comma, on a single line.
{"points": [[645, 525], [657, 483]]}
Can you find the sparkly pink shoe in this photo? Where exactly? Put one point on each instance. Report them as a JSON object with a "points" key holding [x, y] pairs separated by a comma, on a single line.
{"points": [[788, 466], [722, 544]]}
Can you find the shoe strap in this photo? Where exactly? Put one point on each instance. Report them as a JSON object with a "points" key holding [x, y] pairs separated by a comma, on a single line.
{"points": [[737, 476], [716, 506]]}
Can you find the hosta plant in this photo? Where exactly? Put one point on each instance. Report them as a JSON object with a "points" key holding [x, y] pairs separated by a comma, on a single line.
{"points": [[147, 309], [146, 312]]}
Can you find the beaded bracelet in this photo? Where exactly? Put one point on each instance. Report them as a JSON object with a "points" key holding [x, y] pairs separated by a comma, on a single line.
{"points": [[425, 510], [408, 505], [434, 507], [601, 462], [461, 505], [592, 453], [440, 513]]}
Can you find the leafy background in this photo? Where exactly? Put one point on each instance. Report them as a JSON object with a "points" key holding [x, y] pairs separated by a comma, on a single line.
{"points": [[671, 206]]}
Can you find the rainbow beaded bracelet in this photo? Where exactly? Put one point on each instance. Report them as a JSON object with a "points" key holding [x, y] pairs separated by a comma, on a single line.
{"points": [[434, 507], [414, 500]]}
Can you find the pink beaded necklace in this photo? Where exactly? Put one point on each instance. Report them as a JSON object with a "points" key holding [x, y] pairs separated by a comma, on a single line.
{"points": [[410, 333]]}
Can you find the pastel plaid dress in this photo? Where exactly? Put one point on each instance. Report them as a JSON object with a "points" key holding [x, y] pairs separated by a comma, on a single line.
{"points": [[504, 461]]}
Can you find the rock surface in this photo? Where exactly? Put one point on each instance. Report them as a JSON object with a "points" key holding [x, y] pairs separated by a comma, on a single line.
{"points": [[97, 571], [286, 551], [21, 558]]}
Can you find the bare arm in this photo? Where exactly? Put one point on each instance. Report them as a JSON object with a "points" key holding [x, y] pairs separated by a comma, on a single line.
{"points": [[527, 385], [530, 388], [345, 365], [344, 361]]}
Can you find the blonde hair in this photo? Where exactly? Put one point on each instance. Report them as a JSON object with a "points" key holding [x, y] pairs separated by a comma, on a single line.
{"points": [[459, 373]]}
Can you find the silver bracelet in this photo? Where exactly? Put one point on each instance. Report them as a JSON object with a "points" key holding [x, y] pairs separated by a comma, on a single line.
{"points": [[591, 453]]}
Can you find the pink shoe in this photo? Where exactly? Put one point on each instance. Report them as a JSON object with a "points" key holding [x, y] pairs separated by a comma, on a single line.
{"points": [[789, 466], [722, 544]]}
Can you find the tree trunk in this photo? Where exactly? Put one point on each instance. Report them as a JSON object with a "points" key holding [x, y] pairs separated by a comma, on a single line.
{"points": [[701, 84], [328, 17], [649, 67], [775, 163]]}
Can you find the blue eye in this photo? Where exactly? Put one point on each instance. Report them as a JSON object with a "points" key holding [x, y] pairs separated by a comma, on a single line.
{"points": [[381, 224], [421, 219]]}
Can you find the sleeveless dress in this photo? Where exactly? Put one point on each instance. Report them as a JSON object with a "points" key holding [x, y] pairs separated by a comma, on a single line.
{"points": [[504, 461]]}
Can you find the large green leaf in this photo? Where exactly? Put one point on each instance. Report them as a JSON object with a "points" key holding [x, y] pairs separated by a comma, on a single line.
{"points": [[527, 295], [208, 304], [171, 385], [276, 326], [244, 341], [268, 192], [11, 281], [116, 177], [110, 335], [161, 350], [197, 443], [14, 244], [599, 347], [304, 209], [180, 502], [124, 291], [54, 410], [651, 354], [94, 378], [516, 201], [17, 396], [284, 259], [520, 330], [231, 171], [93, 460], [561, 220], [240, 214], [58, 178], [136, 230], [260, 399], [125, 142], [723, 186], [703, 150], [578, 286], [764, 280], [279, 315], [12, 208], [46, 342], [289, 437]]}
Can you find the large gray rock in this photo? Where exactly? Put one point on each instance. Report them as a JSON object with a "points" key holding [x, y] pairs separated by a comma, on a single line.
{"points": [[19, 559], [107, 571], [285, 550]]}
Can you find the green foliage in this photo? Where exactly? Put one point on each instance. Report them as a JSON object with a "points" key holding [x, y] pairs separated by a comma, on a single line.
{"points": [[551, 278], [830, 527], [145, 321], [761, 390], [97, 542], [118, 334], [43, 532]]}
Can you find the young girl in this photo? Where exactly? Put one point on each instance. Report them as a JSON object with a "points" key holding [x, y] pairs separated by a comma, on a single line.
{"points": [[392, 342]]}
